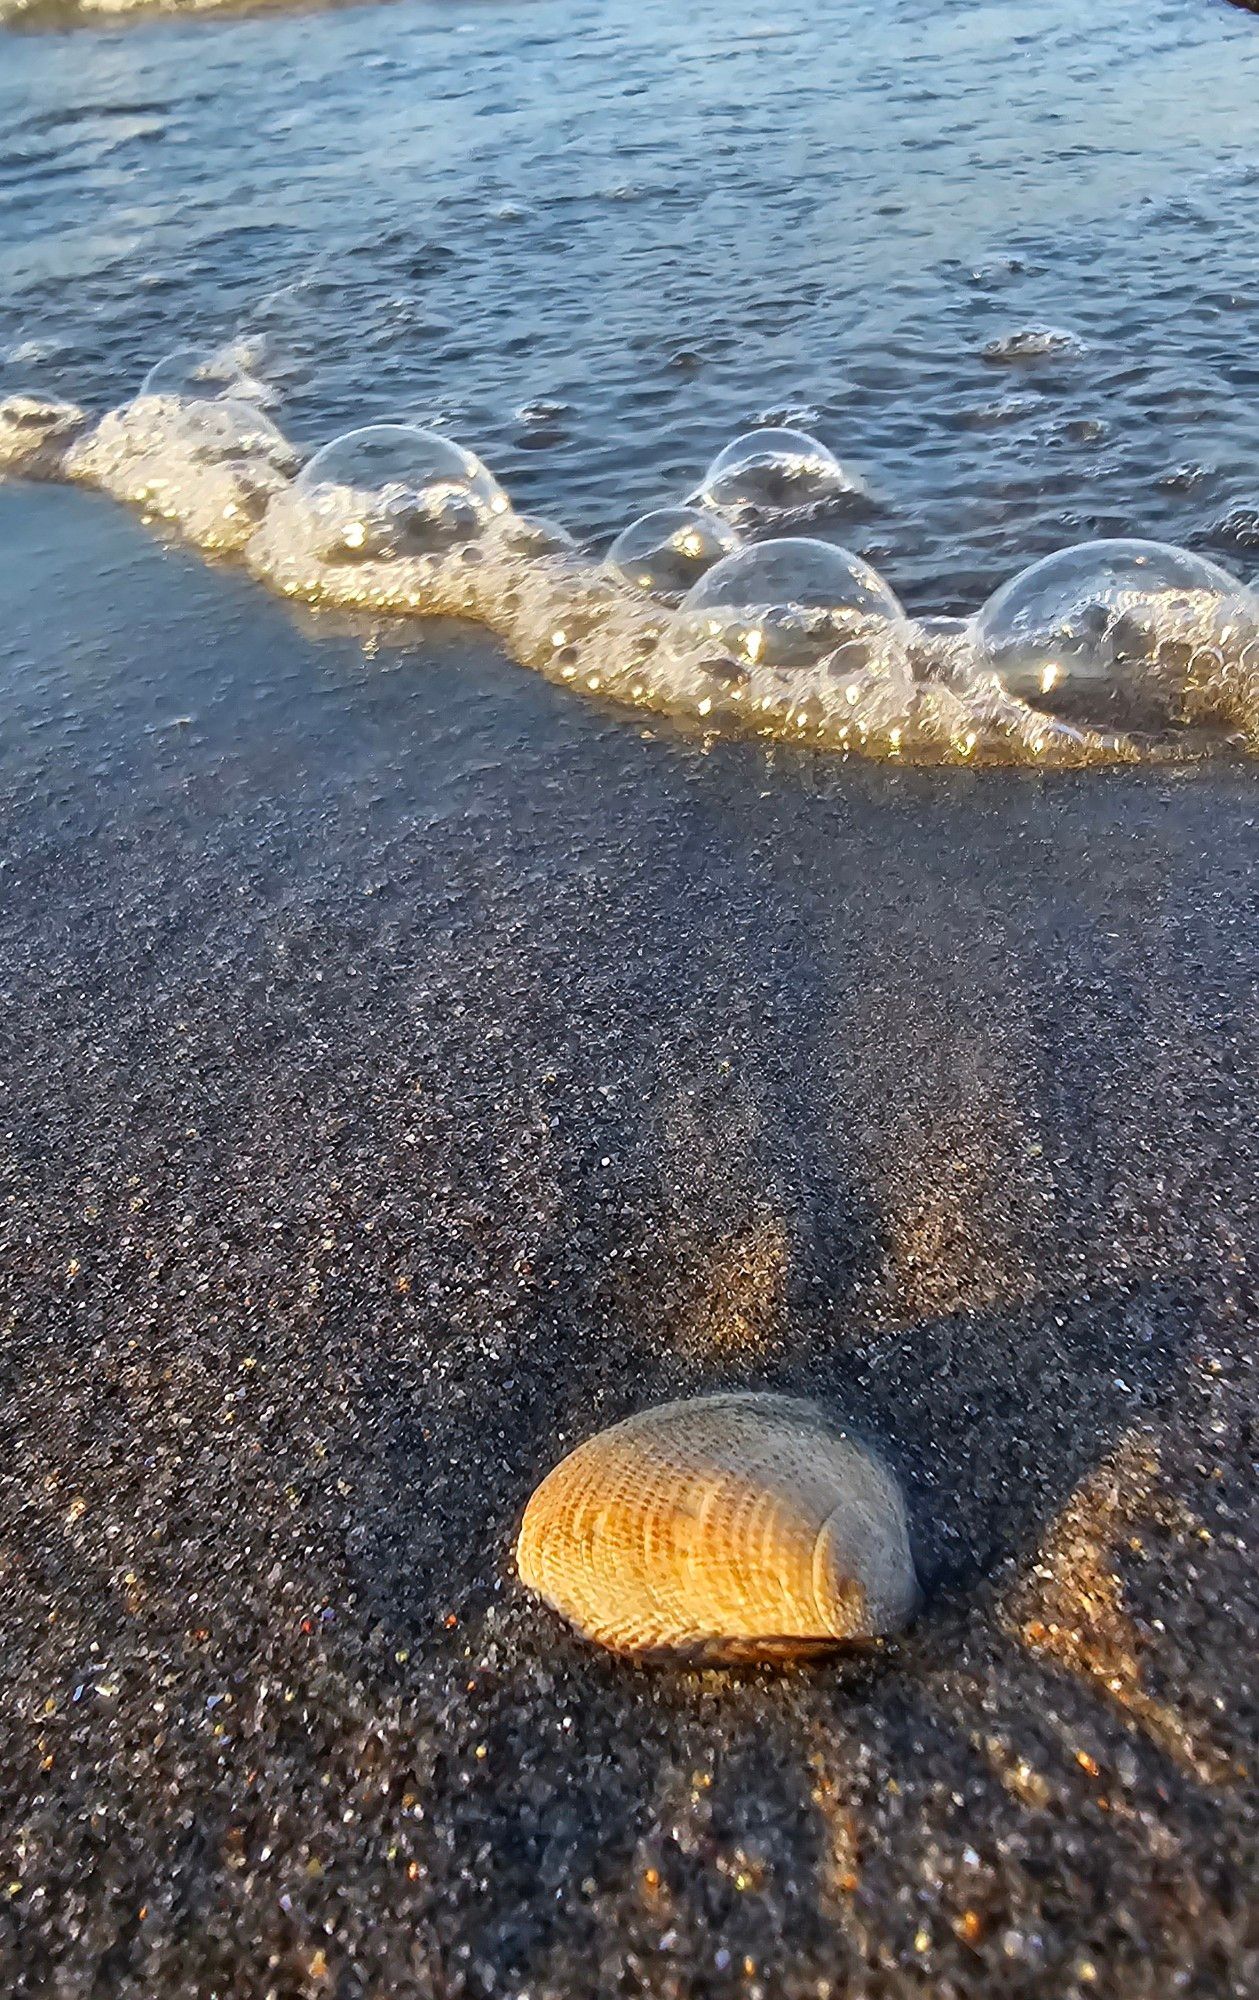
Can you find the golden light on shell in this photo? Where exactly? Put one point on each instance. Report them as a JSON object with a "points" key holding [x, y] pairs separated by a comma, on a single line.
{"points": [[728, 1527]]}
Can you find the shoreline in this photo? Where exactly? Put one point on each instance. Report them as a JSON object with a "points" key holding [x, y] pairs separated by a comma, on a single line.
{"points": [[1172, 677]]}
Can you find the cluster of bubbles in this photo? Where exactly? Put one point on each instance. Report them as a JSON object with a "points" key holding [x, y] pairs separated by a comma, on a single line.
{"points": [[723, 609], [195, 449]]}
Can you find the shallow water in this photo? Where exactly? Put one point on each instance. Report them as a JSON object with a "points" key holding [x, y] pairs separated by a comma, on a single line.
{"points": [[595, 242]]}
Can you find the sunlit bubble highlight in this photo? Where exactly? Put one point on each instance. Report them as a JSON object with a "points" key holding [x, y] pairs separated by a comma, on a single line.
{"points": [[1129, 635], [210, 468], [224, 430], [393, 490], [791, 603], [667, 551], [775, 474]]}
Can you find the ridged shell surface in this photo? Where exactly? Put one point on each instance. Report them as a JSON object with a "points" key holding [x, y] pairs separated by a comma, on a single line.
{"points": [[734, 1526]]}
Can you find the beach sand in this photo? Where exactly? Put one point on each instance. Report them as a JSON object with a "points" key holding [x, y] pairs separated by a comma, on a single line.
{"points": [[410, 1068]]}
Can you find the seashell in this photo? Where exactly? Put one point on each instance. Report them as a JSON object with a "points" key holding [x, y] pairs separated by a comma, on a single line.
{"points": [[730, 1527]]}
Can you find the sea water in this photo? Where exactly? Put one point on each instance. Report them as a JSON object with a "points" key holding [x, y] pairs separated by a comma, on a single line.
{"points": [[745, 370]]}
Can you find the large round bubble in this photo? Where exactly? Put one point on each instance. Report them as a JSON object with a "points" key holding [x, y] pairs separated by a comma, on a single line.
{"points": [[1128, 635], [789, 603], [667, 551], [394, 490], [768, 473]]}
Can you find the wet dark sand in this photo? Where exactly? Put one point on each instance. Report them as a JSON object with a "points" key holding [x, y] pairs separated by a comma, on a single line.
{"points": [[408, 1069]]}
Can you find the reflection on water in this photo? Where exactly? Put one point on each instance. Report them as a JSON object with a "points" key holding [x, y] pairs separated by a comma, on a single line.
{"points": [[596, 243]]}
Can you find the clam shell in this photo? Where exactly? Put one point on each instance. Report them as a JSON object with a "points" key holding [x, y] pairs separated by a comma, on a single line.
{"points": [[733, 1527]]}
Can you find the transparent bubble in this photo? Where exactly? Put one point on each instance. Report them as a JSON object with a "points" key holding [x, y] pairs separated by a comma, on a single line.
{"points": [[667, 551], [394, 490], [766, 473], [1129, 635], [224, 457], [194, 376], [534, 535], [790, 603]]}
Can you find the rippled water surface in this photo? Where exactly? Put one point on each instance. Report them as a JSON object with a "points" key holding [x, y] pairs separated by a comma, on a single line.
{"points": [[593, 242]]}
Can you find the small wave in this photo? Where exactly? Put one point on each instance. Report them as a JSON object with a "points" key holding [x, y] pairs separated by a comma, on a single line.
{"points": [[725, 611], [1031, 343]]}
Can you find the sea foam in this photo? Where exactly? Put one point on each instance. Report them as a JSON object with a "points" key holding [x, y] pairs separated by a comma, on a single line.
{"points": [[731, 613]]}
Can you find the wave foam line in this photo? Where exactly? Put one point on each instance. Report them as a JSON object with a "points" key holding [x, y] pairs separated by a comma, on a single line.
{"points": [[1132, 652]]}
